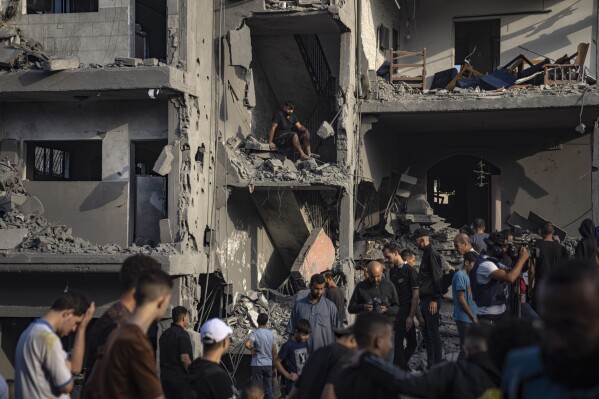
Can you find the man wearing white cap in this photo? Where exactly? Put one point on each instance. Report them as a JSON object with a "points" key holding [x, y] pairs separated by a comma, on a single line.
{"points": [[208, 379]]}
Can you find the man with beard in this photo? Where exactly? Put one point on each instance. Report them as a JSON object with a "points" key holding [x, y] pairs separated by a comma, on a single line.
{"points": [[286, 131], [565, 364], [319, 311]]}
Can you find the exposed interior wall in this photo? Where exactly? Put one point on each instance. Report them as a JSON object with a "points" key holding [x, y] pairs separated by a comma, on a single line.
{"points": [[95, 37], [552, 34], [373, 14], [96, 211], [245, 249], [555, 184]]}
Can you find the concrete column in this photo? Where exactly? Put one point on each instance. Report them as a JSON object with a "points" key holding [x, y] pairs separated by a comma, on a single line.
{"points": [[595, 172]]}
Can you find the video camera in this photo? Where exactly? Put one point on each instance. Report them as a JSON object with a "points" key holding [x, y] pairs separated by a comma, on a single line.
{"points": [[522, 239], [376, 304]]}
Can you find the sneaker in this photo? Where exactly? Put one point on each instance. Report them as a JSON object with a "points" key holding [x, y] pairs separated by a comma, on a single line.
{"points": [[315, 156]]}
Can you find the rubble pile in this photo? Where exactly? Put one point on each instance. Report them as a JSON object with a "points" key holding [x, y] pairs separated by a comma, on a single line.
{"points": [[24, 229], [301, 5], [244, 317], [258, 163], [19, 52], [393, 92]]}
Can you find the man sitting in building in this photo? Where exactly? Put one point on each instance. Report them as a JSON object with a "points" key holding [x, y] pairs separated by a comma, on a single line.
{"points": [[286, 130]]}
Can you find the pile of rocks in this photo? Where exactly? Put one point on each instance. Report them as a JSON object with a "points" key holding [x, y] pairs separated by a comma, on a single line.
{"points": [[244, 317], [253, 161]]}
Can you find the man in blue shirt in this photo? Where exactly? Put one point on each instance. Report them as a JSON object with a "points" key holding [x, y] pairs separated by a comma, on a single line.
{"points": [[319, 311], [565, 364], [264, 350], [464, 308]]}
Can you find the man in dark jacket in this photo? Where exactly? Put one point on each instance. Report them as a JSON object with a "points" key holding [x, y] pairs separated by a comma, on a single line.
{"points": [[431, 294], [587, 247], [464, 379], [375, 294]]}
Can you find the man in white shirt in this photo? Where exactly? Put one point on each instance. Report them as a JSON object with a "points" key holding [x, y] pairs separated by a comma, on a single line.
{"points": [[489, 278], [42, 368]]}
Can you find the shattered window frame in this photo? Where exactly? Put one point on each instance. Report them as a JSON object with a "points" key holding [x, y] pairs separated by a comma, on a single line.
{"points": [[51, 163], [61, 6]]}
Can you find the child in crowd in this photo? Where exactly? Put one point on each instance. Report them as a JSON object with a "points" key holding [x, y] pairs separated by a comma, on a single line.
{"points": [[464, 308], [409, 258], [293, 355], [262, 345]]}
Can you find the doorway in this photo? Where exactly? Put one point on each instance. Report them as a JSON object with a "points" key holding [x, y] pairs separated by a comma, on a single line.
{"points": [[463, 187], [479, 41], [149, 192]]}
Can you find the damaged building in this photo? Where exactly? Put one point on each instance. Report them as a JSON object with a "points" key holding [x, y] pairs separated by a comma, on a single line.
{"points": [[140, 126]]}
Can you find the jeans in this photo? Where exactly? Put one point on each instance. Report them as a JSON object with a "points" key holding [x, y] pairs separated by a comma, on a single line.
{"points": [[527, 312], [462, 327], [263, 374], [430, 332], [403, 354]]}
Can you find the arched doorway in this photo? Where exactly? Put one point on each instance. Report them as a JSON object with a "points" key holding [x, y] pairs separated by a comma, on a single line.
{"points": [[463, 187]]}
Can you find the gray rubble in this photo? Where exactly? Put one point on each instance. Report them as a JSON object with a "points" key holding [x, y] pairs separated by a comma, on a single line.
{"points": [[243, 318], [258, 164]]}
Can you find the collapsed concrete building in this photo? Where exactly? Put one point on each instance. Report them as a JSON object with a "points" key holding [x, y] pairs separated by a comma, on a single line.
{"points": [[142, 123]]}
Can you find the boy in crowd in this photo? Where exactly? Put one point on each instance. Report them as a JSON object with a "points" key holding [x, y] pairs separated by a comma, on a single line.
{"points": [[42, 367], [409, 258], [294, 354], [464, 308], [262, 345]]}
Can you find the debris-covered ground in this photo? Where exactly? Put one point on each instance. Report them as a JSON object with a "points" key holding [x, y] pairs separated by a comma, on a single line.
{"points": [[252, 161], [394, 92]]}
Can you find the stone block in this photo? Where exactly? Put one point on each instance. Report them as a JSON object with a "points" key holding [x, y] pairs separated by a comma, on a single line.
{"points": [[11, 238], [417, 204], [325, 130], [316, 256], [164, 162], [151, 62], [402, 192], [6, 32], [61, 64], [405, 178], [256, 145], [130, 62]]}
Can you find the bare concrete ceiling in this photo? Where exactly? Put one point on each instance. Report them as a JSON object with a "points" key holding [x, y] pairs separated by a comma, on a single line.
{"points": [[294, 22]]}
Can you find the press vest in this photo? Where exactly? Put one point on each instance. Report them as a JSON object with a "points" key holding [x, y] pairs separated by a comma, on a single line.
{"points": [[491, 293]]}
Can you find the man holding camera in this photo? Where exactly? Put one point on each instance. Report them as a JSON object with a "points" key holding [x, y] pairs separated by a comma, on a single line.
{"points": [[489, 278], [375, 294]]}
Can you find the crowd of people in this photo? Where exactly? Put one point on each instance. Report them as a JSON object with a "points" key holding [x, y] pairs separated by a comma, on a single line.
{"points": [[546, 348]]}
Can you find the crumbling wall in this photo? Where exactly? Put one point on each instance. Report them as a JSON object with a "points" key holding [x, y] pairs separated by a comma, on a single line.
{"points": [[94, 37], [551, 34], [545, 171]]}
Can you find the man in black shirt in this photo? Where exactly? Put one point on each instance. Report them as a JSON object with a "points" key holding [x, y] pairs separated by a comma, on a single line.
{"points": [[551, 253], [405, 280], [375, 294], [324, 364], [430, 276], [374, 335], [286, 130], [175, 354], [208, 380], [334, 294]]}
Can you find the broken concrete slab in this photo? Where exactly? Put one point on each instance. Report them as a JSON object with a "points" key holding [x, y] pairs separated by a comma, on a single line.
{"points": [[240, 45], [289, 165], [439, 226], [61, 64], [150, 61], [316, 256], [166, 234], [129, 62], [418, 204], [408, 179], [325, 130], [9, 56], [7, 32], [164, 162], [250, 90], [539, 220], [273, 164], [11, 238], [256, 145], [403, 193]]}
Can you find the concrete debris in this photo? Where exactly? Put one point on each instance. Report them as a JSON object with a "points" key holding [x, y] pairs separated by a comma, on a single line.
{"points": [[325, 130], [9, 57], [163, 164], [241, 47], [388, 92], [7, 32], [61, 64], [11, 238], [151, 62], [246, 310], [316, 256], [253, 166], [287, 6], [128, 62]]}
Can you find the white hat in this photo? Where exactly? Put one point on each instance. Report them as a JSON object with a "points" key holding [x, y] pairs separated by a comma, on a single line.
{"points": [[214, 330]]}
